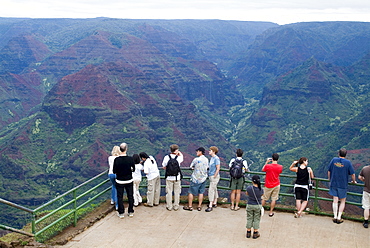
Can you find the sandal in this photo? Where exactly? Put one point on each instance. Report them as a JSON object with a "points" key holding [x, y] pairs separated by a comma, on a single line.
{"points": [[237, 208], [199, 208], [270, 215], [232, 208], [214, 206], [188, 208]]}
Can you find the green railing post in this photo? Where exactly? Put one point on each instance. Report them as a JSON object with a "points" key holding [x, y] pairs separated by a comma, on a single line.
{"points": [[75, 208], [33, 225], [315, 203]]}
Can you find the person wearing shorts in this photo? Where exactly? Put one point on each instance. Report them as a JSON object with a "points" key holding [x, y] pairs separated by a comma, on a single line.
{"points": [[338, 171], [301, 189], [236, 184], [365, 177], [272, 181], [200, 166]]}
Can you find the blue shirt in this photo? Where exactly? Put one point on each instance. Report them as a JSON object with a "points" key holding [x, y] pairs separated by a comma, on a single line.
{"points": [[212, 165], [339, 169]]}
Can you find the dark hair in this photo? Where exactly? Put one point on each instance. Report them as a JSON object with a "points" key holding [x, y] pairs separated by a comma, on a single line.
{"points": [[201, 149], [144, 155], [301, 160], [342, 153], [257, 180], [239, 152], [136, 158], [275, 157]]}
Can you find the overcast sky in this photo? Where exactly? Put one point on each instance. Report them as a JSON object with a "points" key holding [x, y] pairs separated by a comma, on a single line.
{"points": [[281, 12]]}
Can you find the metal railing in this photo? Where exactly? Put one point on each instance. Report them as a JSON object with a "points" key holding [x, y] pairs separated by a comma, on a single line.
{"points": [[52, 217], [64, 210]]}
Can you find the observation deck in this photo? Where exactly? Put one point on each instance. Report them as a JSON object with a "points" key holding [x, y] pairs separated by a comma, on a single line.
{"points": [[158, 227]]}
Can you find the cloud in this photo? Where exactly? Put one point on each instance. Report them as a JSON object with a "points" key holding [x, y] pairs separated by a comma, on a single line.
{"points": [[281, 12]]}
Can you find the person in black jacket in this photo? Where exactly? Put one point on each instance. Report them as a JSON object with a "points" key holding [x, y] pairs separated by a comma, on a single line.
{"points": [[123, 167]]}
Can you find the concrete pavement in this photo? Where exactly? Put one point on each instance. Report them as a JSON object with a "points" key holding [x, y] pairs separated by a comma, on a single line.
{"points": [[158, 227]]}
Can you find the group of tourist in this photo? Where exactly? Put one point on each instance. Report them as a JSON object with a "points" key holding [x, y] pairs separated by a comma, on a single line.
{"points": [[125, 174]]}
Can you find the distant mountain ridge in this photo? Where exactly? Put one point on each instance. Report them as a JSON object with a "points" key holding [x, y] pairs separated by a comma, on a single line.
{"points": [[73, 88]]}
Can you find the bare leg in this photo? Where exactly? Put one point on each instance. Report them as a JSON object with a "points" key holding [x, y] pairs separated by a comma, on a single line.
{"points": [[200, 199], [298, 204], [237, 199], [190, 198], [232, 198], [341, 207], [273, 202], [302, 208]]}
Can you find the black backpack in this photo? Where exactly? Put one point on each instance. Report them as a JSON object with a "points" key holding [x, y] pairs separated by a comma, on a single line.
{"points": [[173, 167], [236, 169]]}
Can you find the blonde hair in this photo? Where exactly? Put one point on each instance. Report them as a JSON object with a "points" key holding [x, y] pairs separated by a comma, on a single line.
{"points": [[214, 149], [115, 151]]}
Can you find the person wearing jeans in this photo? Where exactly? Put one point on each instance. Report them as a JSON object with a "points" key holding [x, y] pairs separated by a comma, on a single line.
{"points": [[112, 177]]}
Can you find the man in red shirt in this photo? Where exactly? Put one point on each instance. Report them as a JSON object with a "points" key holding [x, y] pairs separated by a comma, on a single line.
{"points": [[272, 181]]}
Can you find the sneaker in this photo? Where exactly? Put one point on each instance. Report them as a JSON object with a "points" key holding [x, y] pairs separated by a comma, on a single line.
{"points": [[111, 202], [256, 235], [121, 216], [340, 221], [335, 220], [249, 234], [147, 205], [366, 224], [130, 215], [169, 209], [175, 209], [208, 209]]}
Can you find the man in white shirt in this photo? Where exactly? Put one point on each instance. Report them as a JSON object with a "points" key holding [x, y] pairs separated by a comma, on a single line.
{"points": [[173, 183]]}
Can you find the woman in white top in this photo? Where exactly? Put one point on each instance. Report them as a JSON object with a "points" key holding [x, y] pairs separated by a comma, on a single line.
{"points": [[136, 176], [115, 152], [154, 181]]}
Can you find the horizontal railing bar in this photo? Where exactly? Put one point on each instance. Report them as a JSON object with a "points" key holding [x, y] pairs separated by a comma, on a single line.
{"points": [[70, 191], [12, 204], [93, 198], [8, 228], [55, 222]]}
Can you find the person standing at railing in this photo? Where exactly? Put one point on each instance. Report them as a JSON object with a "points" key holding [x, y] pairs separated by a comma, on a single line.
{"points": [[112, 177], [239, 166], [136, 175], [272, 181], [171, 164], [301, 190], [214, 178], [123, 167], [365, 177], [338, 171], [154, 181], [199, 165]]}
